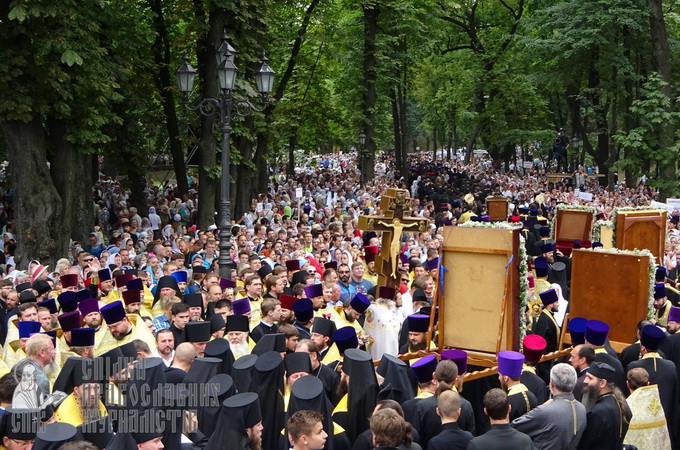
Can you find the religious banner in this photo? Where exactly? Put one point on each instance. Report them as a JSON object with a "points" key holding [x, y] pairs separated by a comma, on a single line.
{"points": [[621, 299], [481, 304], [394, 205], [573, 223], [641, 229], [497, 208]]}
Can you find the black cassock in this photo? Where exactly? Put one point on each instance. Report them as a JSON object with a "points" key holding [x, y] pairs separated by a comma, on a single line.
{"points": [[629, 354], [536, 385], [429, 424], [330, 379], [671, 347], [546, 327], [606, 427], [521, 403]]}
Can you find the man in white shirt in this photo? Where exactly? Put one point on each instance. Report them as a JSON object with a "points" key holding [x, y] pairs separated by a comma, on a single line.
{"points": [[165, 346]]}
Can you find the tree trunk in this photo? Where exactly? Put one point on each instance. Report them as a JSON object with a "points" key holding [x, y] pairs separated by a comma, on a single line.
{"points": [[206, 45], [661, 63], [479, 126], [473, 141], [396, 129], [367, 165], [262, 170], [574, 110], [292, 142], [38, 208], [163, 80], [242, 193], [401, 100], [67, 165]]}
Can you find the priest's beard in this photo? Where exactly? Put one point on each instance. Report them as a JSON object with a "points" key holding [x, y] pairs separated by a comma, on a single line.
{"points": [[89, 407], [255, 443], [240, 349], [417, 347], [342, 387], [589, 398]]}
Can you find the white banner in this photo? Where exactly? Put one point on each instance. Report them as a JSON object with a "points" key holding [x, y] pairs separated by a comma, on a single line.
{"points": [[298, 192], [672, 204], [660, 205], [587, 196]]}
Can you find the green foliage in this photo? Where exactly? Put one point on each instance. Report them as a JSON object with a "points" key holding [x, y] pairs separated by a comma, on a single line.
{"points": [[508, 72], [645, 143]]}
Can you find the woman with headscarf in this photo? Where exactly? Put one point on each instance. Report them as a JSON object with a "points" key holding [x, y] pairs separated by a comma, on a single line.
{"points": [[154, 223], [95, 246], [114, 260], [183, 211]]}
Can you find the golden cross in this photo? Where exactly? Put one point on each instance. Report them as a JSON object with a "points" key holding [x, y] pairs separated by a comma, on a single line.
{"points": [[392, 224]]}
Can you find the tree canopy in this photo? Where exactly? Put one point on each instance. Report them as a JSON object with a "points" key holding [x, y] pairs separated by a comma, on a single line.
{"points": [[86, 81]]}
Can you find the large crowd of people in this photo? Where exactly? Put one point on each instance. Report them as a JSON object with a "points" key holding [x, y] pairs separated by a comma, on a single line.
{"points": [[134, 340]]}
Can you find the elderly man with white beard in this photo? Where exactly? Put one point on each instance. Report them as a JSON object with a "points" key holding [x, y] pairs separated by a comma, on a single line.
{"points": [[237, 335]]}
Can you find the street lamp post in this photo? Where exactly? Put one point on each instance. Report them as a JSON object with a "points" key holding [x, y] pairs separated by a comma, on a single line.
{"points": [[224, 107], [574, 159]]}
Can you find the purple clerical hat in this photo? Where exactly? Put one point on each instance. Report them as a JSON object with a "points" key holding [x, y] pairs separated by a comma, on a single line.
{"points": [[510, 363]]}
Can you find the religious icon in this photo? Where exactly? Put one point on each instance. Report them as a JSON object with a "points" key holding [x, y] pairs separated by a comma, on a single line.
{"points": [[395, 245]]}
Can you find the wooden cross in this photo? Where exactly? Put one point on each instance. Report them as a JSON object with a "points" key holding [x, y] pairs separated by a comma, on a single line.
{"points": [[392, 224]]}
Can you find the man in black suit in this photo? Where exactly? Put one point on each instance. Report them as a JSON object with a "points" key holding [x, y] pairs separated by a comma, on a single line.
{"points": [[661, 372], [581, 357], [451, 437], [501, 435]]}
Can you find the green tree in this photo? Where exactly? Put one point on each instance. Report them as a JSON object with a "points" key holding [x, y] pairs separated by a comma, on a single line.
{"points": [[61, 83]]}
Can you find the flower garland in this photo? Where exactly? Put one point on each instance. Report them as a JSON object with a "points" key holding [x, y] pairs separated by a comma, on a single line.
{"points": [[523, 287], [652, 271], [597, 228], [616, 210], [523, 267], [569, 207]]}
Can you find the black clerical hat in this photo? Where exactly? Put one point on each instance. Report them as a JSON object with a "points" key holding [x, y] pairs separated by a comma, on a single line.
{"points": [[297, 362], [54, 435], [242, 372], [270, 343], [323, 326], [194, 300], [217, 322], [197, 332], [202, 370], [238, 323], [219, 348], [99, 432]]}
